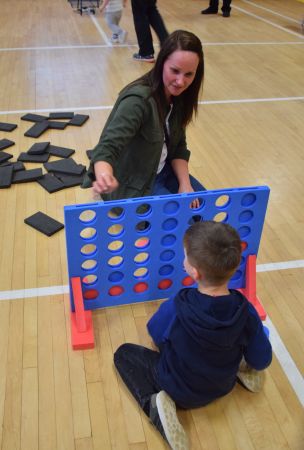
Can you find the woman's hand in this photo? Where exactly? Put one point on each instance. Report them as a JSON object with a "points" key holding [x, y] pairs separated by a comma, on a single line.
{"points": [[180, 168], [188, 188], [105, 181]]}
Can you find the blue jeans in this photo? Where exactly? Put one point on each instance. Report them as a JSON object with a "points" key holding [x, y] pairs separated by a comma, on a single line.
{"points": [[166, 182]]}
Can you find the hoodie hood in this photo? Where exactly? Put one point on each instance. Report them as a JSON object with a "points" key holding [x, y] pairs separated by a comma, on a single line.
{"points": [[212, 322]]}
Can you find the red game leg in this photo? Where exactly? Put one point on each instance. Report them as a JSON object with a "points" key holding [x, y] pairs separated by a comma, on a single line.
{"points": [[82, 332], [250, 289]]}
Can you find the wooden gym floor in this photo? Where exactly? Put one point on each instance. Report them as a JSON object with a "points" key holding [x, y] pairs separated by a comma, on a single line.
{"points": [[249, 131]]}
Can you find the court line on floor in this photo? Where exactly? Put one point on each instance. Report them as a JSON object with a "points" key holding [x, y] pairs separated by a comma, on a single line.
{"points": [[271, 11], [209, 44], [97, 46], [251, 100], [101, 32], [287, 363], [299, 35], [108, 107], [67, 47]]}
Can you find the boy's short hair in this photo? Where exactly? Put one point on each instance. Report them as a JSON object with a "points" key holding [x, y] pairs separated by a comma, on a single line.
{"points": [[214, 249]]}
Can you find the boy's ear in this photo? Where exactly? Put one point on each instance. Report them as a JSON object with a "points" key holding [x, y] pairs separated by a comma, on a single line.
{"points": [[195, 274]]}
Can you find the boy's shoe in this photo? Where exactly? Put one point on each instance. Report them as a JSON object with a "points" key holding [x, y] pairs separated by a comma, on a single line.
{"points": [[226, 13], [209, 11], [163, 416], [122, 36], [252, 379], [114, 39], [147, 58]]}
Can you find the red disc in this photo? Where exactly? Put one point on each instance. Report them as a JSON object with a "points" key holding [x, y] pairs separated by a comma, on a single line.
{"points": [[91, 294], [244, 245], [116, 290], [187, 281], [140, 287], [164, 284]]}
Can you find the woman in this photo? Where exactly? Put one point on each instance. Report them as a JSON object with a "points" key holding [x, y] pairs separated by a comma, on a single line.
{"points": [[142, 149]]}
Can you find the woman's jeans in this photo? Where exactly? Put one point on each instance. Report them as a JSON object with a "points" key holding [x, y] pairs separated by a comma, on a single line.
{"points": [[137, 367], [166, 182]]}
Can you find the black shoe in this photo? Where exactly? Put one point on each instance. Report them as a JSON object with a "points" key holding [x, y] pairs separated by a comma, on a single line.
{"points": [[209, 10], [164, 418], [226, 13], [147, 58]]}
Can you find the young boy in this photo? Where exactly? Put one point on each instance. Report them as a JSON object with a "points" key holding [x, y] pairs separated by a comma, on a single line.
{"points": [[113, 12], [202, 334]]}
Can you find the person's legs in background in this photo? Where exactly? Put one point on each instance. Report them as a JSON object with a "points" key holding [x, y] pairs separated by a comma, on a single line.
{"points": [[226, 8], [156, 21], [212, 8], [113, 19], [143, 32]]}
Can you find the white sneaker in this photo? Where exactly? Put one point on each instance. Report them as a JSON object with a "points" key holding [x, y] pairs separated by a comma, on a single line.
{"points": [[252, 379], [170, 425], [122, 36]]}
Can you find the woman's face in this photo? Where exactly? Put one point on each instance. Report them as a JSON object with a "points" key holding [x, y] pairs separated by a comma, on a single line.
{"points": [[179, 71]]}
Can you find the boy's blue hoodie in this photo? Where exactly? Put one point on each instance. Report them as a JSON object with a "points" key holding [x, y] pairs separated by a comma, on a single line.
{"points": [[202, 340]]}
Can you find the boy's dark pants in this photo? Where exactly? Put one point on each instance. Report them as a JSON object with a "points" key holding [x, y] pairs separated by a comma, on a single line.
{"points": [[145, 13], [137, 367]]}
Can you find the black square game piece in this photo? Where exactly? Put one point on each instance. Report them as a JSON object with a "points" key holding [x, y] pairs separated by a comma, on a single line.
{"points": [[79, 119], [71, 180], [44, 223], [67, 166], [24, 176], [56, 125], [25, 157], [51, 183], [39, 148], [6, 175], [62, 152], [61, 115], [5, 143], [7, 126], [5, 157], [18, 165], [34, 117], [37, 129]]}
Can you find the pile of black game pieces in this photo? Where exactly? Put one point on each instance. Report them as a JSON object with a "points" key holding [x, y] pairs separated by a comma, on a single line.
{"points": [[61, 174]]}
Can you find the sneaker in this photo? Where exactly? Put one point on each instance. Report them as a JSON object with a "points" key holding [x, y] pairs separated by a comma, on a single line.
{"points": [[250, 378], [226, 13], [147, 58], [114, 39], [164, 418], [209, 11], [122, 36]]}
